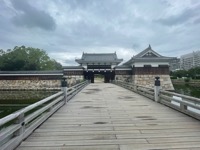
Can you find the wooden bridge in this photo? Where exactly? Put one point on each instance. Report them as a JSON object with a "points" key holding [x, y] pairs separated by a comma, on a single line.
{"points": [[109, 117]]}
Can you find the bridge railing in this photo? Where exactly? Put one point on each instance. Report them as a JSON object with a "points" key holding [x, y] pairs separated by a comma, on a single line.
{"points": [[185, 104], [147, 92], [16, 127]]}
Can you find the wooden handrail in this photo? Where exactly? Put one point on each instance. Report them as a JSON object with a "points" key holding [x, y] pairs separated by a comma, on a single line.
{"points": [[145, 91], [185, 104], [194, 99], [28, 108], [17, 126]]}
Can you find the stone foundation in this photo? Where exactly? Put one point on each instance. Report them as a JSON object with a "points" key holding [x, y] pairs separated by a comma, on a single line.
{"points": [[30, 84], [125, 78], [148, 81], [72, 80]]}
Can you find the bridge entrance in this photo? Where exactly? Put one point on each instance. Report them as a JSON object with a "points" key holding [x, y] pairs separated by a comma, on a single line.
{"points": [[99, 64], [106, 76]]}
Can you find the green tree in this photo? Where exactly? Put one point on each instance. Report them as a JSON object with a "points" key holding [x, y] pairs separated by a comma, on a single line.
{"points": [[194, 72], [22, 58], [2, 52], [179, 73]]}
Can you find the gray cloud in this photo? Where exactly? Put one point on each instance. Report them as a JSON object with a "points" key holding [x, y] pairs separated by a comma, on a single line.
{"points": [[197, 21], [127, 27], [184, 17], [74, 4], [32, 17]]}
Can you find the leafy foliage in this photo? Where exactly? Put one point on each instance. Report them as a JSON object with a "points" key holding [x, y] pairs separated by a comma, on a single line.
{"points": [[193, 73], [22, 58]]}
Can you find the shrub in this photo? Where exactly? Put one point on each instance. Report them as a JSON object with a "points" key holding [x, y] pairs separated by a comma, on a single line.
{"points": [[187, 80]]}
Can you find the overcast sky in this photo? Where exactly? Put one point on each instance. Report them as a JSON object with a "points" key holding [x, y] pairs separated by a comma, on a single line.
{"points": [[66, 28]]}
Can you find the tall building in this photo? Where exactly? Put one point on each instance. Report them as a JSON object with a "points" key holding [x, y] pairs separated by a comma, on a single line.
{"points": [[190, 60], [174, 64]]}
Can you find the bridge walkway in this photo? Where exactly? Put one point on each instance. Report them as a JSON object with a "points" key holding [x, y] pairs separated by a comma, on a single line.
{"points": [[108, 117]]}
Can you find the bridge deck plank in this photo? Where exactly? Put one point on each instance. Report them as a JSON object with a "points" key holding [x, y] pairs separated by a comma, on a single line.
{"points": [[105, 116]]}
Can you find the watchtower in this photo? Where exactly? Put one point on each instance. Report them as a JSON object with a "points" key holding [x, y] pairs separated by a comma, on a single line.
{"points": [[99, 63], [146, 65]]}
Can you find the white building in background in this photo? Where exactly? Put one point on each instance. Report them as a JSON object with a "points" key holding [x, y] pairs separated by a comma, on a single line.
{"points": [[190, 60], [174, 64]]}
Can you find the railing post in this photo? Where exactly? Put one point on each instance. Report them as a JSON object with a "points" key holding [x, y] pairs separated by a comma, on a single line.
{"points": [[183, 107], [157, 89], [135, 88], [20, 121], [64, 88]]}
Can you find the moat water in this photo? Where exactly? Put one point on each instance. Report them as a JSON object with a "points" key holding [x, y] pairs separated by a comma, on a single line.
{"points": [[187, 90], [11, 101]]}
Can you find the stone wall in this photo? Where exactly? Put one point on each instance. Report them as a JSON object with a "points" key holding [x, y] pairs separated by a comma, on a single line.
{"points": [[148, 81], [72, 80], [37, 84], [30, 84], [125, 78]]}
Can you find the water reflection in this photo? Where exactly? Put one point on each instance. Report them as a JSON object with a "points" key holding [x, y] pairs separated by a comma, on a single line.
{"points": [[11, 101]]}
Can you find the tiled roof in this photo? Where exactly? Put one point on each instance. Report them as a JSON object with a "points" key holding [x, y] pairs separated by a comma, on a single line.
{"points": [[99, 57], [148, 55], [148, 49]]}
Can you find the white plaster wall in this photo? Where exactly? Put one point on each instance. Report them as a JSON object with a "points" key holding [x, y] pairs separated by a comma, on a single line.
{"points": [[153, 64]]}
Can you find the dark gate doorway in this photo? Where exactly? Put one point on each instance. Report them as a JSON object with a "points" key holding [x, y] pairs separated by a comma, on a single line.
{"points": [[107, 75]]}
